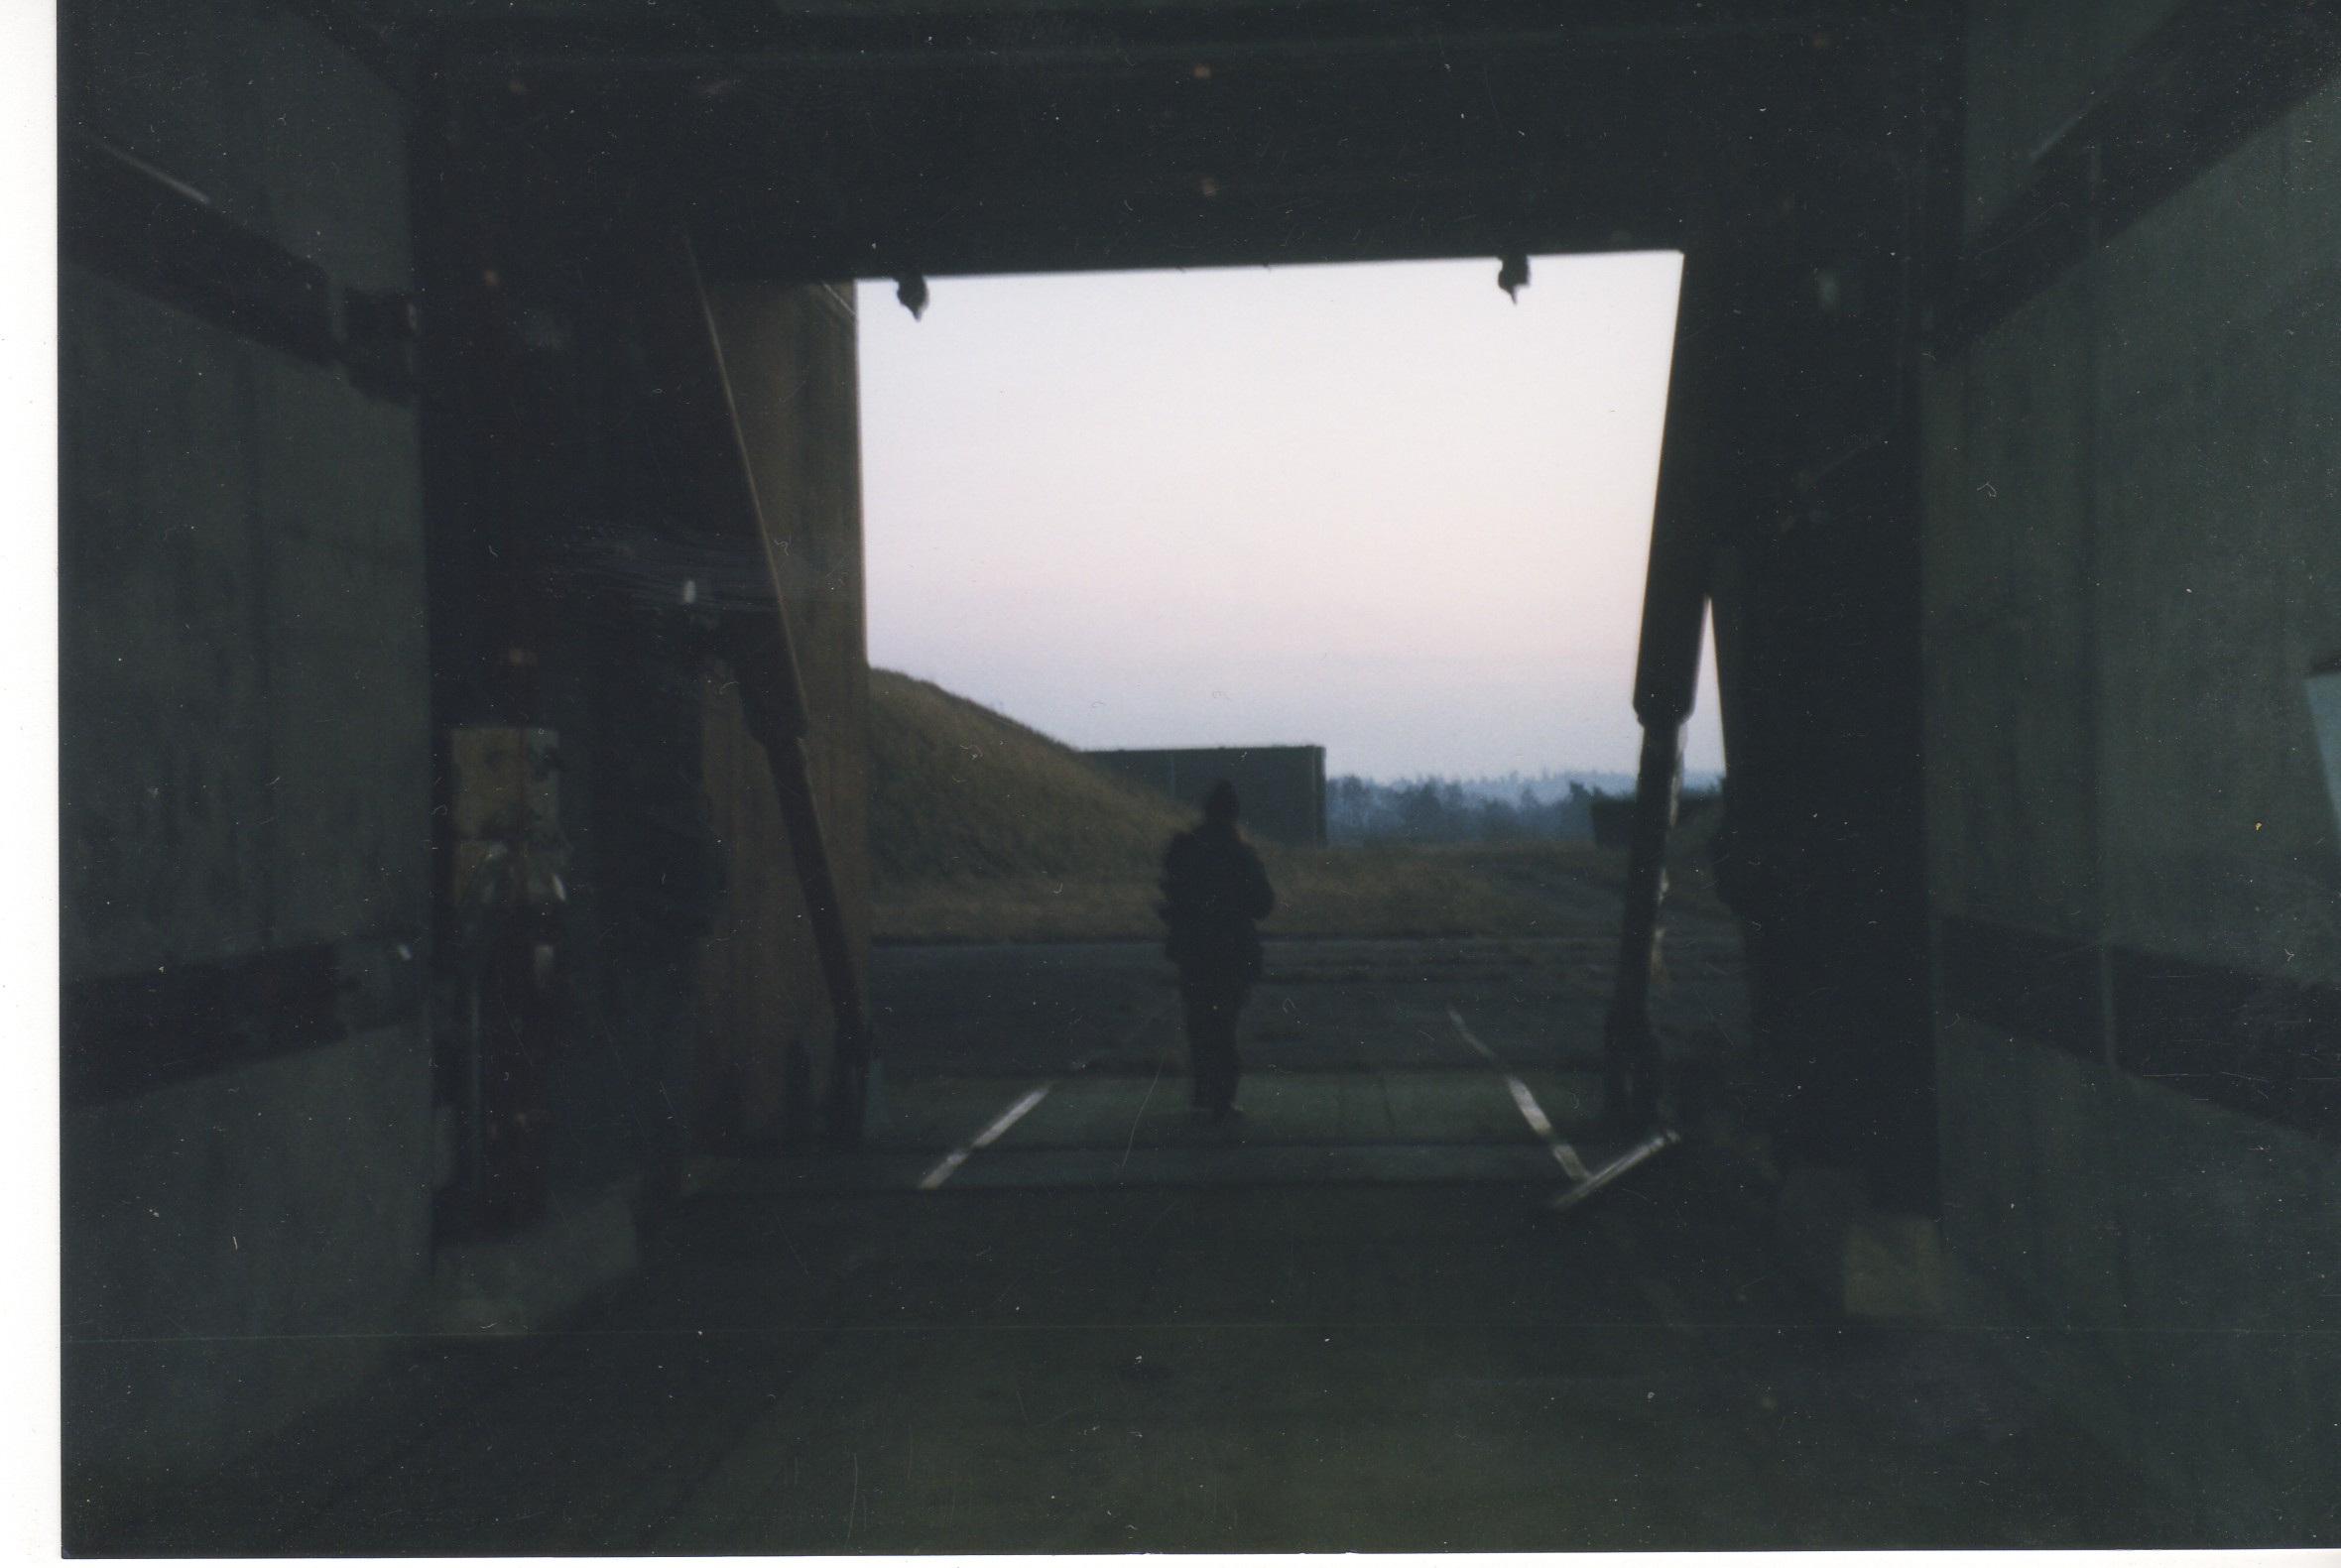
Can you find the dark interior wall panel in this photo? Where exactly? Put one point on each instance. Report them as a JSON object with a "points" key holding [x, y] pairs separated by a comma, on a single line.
{"points": [[561, 541], [790, 353], [2010, 627], [2038, 988], [2217, 474], [244, 756], [224, 1270], [2268, 1047], [244, 102], [163, 740], [340, 505], [241, 655], [2128, 565], [1033, 148], [160, 81], [2166, 103], [1795, 445], [1823, 835], [2031, 68], [165, 240], [2177, 1256], [328, 142], [2134, 855], [791, 356], [243, 670]]}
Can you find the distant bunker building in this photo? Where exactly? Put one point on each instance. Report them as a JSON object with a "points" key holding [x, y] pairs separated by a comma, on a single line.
{"points": [[1282, 788]]}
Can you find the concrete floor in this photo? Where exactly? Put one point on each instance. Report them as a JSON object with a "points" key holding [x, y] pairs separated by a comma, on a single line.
{"points": [[1350, 1322], [1109, 1007]]}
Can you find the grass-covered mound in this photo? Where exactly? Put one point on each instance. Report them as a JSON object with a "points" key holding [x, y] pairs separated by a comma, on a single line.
{"points": [[959, 793], [984, 830]]}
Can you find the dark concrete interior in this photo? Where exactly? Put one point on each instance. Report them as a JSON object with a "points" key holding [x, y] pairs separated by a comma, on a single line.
{"points": [[1350, 1323], [486, 1125]]}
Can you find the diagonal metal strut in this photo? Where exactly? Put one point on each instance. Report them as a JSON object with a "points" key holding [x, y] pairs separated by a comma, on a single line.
{"points": [[687, 354]]}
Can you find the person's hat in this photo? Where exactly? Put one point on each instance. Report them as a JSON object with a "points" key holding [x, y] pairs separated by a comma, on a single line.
{"points": [[1220, 804]]}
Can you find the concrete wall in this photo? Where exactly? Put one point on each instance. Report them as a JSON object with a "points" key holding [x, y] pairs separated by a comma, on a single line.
{"points": [[2135, 868], [790, 356], [230, 1240], [244, 768], [580, 575]]}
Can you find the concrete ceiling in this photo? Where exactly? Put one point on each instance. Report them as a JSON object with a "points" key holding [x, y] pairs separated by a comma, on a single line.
{"points": [[860, 137]]}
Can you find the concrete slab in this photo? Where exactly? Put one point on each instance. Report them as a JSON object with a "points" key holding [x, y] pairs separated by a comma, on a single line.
{"points": [[520, 1284], [1278, 1108], [1234, 1163], [1384, 1127], [1110, 1007], [1091, 1369], [1348, 1322]]}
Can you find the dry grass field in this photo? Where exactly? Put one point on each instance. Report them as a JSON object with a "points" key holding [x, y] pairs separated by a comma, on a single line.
{"points": [[983, 830]]}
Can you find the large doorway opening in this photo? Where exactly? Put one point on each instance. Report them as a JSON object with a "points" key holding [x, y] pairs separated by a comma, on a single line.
{"points": [[467, 998], [1131, 534], [1382, 508]]}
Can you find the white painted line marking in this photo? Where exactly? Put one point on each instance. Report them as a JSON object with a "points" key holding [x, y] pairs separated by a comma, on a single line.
{"points": [[942, 1172], [1010, 1117], [983, 1140], [1530, 1111], [1538, 1122], [1469, 1038], [1658, 1142]]}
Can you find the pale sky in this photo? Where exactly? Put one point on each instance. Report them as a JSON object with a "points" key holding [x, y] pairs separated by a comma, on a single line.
{"points": [[1380, 509]]}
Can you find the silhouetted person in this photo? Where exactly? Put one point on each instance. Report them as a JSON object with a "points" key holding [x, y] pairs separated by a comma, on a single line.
{"points": [[1213, 890]]}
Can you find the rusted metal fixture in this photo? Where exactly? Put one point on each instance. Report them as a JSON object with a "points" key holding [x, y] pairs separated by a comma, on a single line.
{"points": [[1657, 1143]]}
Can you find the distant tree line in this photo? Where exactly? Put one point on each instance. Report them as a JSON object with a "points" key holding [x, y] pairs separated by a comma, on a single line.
{"points": [[1443, 811], [1436, 811]]}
